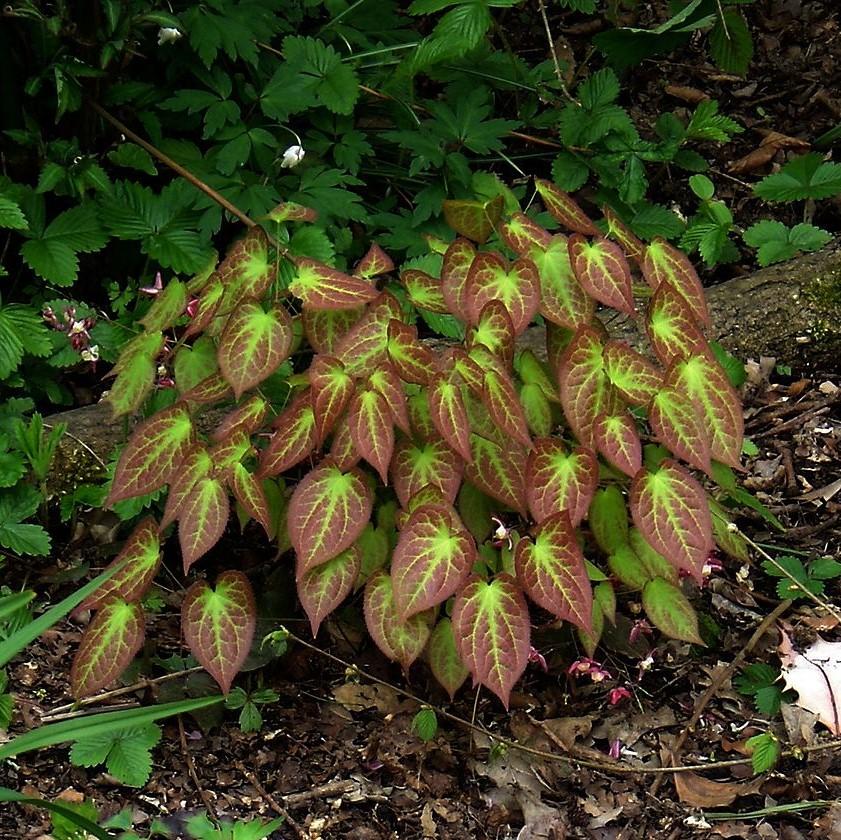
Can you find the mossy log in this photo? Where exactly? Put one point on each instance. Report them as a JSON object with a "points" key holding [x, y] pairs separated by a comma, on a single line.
{"points": [[790, 311]]}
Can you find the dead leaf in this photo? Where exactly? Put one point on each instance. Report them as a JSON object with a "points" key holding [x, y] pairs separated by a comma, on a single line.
{"points": [[687, 94], [700, 792], [357, 696], [565, 731], [765, 152], [815, 674], [800, 725], [428, 821]]}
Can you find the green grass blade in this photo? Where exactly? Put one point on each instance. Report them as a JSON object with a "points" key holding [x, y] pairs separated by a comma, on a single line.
{"points": [[99, 724], [12, 603], [8, 795]]}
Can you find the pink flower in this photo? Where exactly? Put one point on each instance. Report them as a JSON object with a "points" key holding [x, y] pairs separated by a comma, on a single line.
{"points": [[615, 750], [640, 628], [156, 289], [537, 657], [589, 667], [617, 695], [192, 307]]}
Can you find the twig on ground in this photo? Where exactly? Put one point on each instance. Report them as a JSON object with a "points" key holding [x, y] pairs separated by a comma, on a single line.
{"points": [[272, 802], [552, 49], [191, 768], [606, 765], [720, 676]]}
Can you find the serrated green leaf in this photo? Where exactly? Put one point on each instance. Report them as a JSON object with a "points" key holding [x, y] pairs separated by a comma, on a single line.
{"points": [[425, 724], [806, 176], [731, 44], [764, 751]]}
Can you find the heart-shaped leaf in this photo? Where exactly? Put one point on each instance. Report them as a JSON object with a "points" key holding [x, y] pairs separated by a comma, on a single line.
{"points": [[218, 624], [495, 330], [671, 327], [522, 235], [663, 263], [562, 299], [449, 415], [108, 645], [558, 479], [372, 429], [500, 396], [619, 231], [412, 360], [321, 287], [493, 632], [678, 425], [498, 471], [635, 378], [443, 658], [564, 209], [603, 271], [293, 440], [248, 491], [331, 390], [424, 290], [458, 258], [324, 328], [374, 263], [618, 440], [245, 419], [415, 465], [551, 569], [517, 286], [327, 512], [323, 588], [364, 347], [433, 558], [474, 219], [202, 519]]}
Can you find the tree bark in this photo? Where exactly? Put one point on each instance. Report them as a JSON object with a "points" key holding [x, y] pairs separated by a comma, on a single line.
{"points": [[791, 311]]}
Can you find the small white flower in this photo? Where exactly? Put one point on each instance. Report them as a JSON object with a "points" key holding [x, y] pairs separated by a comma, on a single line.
{"points": [[91, 354], [292, 157], [168, 35]]}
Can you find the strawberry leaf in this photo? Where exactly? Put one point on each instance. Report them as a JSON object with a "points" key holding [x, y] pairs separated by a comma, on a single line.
{"points": [[492, 630], [552, 572], [327, 512], [108, 645], [218, 624]]}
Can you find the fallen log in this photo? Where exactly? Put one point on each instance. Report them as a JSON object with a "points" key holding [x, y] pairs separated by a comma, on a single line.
{"points": [[790, 311]]}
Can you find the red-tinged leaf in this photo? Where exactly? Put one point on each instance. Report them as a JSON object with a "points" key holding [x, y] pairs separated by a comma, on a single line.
{"points": [[416, 465], [331, 390], [608, 518], [603, 271], [412, 360], [493, 632], [195, 465], [433, 558], [140, 558], [386, 382], [443, 658], [343, 453], [209, 299], [364, 347], [229, 452], [562, 206], [218, 625], [253, 345], [401, 641], [449, 416], [213, 388], [202, 519], [635, 378], [499, 472], [522, 235], [293, 440], [664, 263], [248, 491], [424, 290], [619, 231], [289, 211], [471, 368], [618, 440], [431, 494], [372, 429], [454, 270], [323, 588], [562, 300], [503, 403], [324, 328], [246, 272], [321, 287], [166, 308], [551, 570], [474, 219], [557, 479], [244, 419], [152, 454], [495, 330], [679, 426], [671, 327], [669, 611], [718, 404], [132, 386], [517, 286], [328, 510], [108, 645], [374, 263], [655, 564], [670, 509], [585, 390], [532, 371]]}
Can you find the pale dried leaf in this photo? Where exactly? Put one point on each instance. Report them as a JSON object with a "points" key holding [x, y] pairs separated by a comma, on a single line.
{"points": [[815, 674], [700, 792]]}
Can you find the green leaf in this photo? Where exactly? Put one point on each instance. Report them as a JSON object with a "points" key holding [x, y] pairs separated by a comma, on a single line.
{"points": [[670, 611], [806, 176], [133, 156], [64, 812], [444, 660], [218, 624], [104, 722], [324, 587], [764, 751], [731, 44], [126, 753], [425, 724], [55, 261], [25, 539], [11, 216], [708, 124]]}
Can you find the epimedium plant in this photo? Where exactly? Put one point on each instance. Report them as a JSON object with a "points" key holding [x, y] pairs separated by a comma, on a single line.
{"points": [[455, 485]]}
